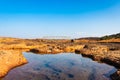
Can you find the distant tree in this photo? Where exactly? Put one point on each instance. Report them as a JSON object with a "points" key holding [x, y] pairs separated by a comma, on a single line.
{"points": [[72, 40]]}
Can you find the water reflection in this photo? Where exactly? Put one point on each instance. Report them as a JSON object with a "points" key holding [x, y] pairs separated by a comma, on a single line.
{"points": [[65, 66]]}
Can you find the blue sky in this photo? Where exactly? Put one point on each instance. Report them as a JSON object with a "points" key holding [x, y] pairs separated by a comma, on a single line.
{"points": [[74, 18]]}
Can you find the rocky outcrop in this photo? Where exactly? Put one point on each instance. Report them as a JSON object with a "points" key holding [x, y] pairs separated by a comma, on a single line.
{"points": [[104, 54], [57, 49], [10, 59], [103, 51]]}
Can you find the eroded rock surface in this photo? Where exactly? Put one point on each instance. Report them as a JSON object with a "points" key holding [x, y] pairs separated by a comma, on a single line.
{"points": [[10, 59]]}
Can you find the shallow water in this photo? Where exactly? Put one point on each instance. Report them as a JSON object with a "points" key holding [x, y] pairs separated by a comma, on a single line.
{"points": [[64, 66]]}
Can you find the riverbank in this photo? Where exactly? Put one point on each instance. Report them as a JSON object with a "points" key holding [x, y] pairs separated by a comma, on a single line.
{"points": [[102, 51], [10, 59]]}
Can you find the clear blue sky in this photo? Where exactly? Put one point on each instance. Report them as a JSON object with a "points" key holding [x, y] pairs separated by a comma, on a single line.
{"points": [[75, 18]]}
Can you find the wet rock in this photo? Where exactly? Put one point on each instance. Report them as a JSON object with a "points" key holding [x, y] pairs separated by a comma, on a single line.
{"points": [[97, 58], [111, 61], [88, 55], [77, 51], [116, 75], [34, 50]]}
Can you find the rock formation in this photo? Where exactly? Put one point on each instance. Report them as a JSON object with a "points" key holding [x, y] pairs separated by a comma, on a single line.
{"points": [[103, 51], [10, 59]]}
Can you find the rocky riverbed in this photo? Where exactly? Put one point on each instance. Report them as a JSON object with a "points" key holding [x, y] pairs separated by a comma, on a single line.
{"points": [[101, 51]]}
